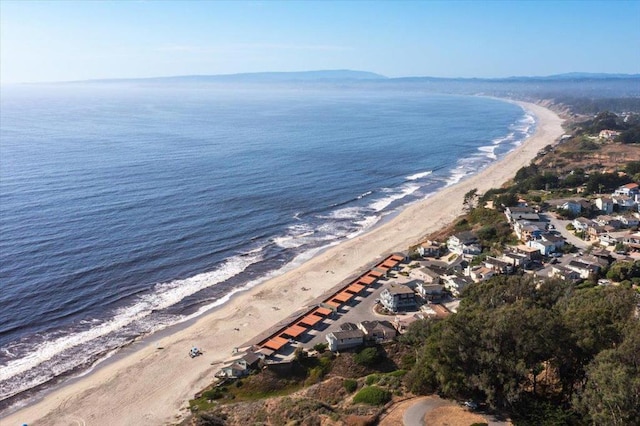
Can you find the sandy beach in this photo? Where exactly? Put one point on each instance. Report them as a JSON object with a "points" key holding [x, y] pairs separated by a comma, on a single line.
{"points": [[152, 386]]}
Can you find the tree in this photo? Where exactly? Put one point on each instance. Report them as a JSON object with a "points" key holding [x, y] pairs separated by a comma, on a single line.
{"points": [[469, 199], [612, 393]]}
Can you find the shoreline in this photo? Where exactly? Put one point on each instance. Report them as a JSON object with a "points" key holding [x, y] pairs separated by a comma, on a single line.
{"points": [[153, 386]]}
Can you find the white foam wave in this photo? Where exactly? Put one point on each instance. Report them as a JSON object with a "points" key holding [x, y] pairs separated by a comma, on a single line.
{"points": [[406, 190], [419, 175], [164, 296], [361, 196], [490, 151]]}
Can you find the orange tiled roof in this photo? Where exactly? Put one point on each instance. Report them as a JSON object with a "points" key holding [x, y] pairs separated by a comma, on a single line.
{"points": [[294, 331], [343, 297], [310, 320], [370, 279], [322, 311], [355, 288], [275, 343]]}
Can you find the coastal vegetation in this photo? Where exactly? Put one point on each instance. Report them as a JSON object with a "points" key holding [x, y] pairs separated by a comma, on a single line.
{"points": [[540, 351]]}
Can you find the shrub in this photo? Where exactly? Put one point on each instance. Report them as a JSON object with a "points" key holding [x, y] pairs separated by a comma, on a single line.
{"points": [[350, 385], [371, 379], [367, 356], [372, 395], [321, 347]]}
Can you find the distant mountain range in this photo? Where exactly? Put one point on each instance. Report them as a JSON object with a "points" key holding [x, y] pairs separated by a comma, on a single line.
{"points": [[350, 76]]}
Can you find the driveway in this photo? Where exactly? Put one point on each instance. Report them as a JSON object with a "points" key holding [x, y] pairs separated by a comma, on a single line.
{"points": [[561, 227], [415, 414]]}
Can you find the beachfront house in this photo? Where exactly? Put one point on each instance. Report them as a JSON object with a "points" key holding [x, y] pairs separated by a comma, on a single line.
{"points": [[429, 249], [398, 297], [344, 339], [242, 366]]}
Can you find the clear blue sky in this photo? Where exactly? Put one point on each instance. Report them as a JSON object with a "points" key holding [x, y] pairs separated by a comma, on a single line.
{"points": [[68, 40]]}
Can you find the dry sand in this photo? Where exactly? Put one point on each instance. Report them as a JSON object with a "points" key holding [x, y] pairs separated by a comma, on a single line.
{"points": [[152, 386]]}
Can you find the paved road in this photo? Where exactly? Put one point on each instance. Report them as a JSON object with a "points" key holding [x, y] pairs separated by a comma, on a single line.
{"points": [[414, 415], [561, 226]]}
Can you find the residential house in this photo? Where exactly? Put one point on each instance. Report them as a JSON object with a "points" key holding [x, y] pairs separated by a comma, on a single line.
{"points": [[379, 331], [430, 291], [584, 269], [608, 240], [521, 213], [529, 252], [632, 241], [242, 366], [608, 135], [558, 271], [581, 224], [498, 266], [429, 249], [527, 230], [479, 273], [604, 204], [628, 190], [455, 284], [427, 275], [628, 221], [545, 247], [464, 244], [398, 297], [345, 339], [623, 202], [515, 259], [606, 220], [574, 206], [557, 240]]}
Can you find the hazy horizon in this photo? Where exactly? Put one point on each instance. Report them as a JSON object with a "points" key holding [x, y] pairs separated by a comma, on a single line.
{"points": [[57, 41]]}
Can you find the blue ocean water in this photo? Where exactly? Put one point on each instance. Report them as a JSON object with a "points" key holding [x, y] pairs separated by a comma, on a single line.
{"points": [[126, 209]]}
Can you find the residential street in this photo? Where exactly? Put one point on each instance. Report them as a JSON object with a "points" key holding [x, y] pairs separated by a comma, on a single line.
{"points": [[561, 227]]}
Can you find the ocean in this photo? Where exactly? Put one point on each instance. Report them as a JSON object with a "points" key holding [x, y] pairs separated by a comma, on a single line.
{"points": [[126, 209]]}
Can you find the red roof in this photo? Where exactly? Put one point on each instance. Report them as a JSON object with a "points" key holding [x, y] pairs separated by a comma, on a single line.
{"points": [[369, 279], [396, 257], [294, 331], [333, 303], [275, 343], [310, 320], [373, 273], [323, 311], [355, 288], [343, 297]]}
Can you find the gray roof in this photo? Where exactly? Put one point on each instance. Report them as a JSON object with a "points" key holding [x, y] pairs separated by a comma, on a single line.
{"points": [[348, 334]]}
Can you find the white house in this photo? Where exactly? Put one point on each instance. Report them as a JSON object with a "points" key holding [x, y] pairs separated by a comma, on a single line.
{"points": [[628, 190], [429, 249], [582, 224], [430, 291], [455, 284], [398, 297], [464, 243], [574, 206], [583, 268], [521, 213], [545, 247], [344, 339], [604, 204]]}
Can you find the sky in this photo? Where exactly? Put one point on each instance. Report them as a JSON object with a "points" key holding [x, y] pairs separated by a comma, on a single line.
{"points": [[43, 41]]}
